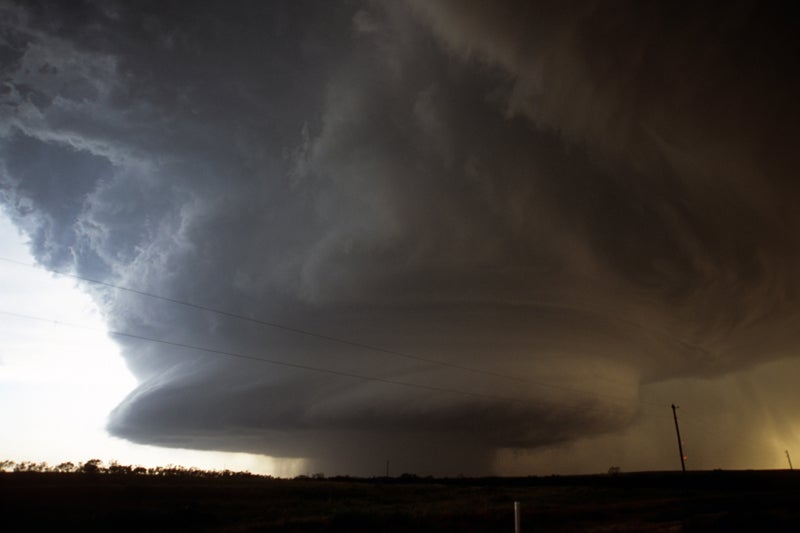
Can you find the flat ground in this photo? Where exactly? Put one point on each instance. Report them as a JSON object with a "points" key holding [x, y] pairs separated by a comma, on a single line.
{"points": [[698, 501]]}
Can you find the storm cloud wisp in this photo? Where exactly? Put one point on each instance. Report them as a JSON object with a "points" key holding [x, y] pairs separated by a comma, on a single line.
{"points": [[532, 210]]}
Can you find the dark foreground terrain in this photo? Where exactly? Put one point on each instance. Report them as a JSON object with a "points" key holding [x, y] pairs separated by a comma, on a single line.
{"points": [[697, 501]]}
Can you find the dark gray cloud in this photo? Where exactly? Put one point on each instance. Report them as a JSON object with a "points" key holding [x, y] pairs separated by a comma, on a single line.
{"points": [[579, 199]]}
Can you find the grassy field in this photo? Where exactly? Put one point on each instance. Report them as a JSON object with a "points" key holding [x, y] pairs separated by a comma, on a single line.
{"points": [[698, 501]]}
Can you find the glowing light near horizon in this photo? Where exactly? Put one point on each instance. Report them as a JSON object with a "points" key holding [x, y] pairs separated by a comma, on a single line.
{"points": [[58, 383]]}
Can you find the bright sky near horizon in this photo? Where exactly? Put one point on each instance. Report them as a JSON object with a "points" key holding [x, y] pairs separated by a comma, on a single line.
{"points": [[58, 383]]}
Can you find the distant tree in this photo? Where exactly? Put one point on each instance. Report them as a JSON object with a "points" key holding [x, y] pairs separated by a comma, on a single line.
{"points": [[92, 466], [25, 466], [116, 468], [7, 465], [65, 467]]}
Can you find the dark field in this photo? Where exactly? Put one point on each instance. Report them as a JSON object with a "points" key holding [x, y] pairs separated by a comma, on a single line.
{"points": [[698, 501]]}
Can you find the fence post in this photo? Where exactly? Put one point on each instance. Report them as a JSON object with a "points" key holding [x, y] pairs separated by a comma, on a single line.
{"points": [[516, 517]]}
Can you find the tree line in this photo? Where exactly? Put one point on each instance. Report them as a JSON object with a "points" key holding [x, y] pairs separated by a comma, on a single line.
{"points": [[98, 467]]}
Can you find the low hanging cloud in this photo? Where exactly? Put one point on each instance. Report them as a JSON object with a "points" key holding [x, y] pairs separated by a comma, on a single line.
{"points": [[544, 206]]}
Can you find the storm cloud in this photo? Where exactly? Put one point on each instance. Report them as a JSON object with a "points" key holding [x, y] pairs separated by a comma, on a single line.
{"points": [[533, 209]]}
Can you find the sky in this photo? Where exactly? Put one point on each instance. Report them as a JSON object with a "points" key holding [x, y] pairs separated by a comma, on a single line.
{"points": [[462, 237], [60, 378]]}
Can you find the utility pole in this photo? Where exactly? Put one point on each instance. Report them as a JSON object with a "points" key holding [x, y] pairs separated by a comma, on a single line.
{"points": [[788, 458], [680, 444]]}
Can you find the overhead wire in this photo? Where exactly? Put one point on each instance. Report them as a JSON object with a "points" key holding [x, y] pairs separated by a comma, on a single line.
{"points": [[248, 357], [692, 419], [334, 339], [597, 408]]}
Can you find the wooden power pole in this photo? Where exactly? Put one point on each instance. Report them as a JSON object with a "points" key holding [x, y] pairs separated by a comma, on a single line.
{"points": [[788, 458], [680, 444]]}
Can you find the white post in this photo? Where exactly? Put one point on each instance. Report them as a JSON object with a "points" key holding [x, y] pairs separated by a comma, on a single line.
{"points": [[516, 517]]}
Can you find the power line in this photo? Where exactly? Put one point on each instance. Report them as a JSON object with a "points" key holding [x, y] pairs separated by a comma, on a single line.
{"points": [[300, 366], [276, 362], [328, 338]]}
